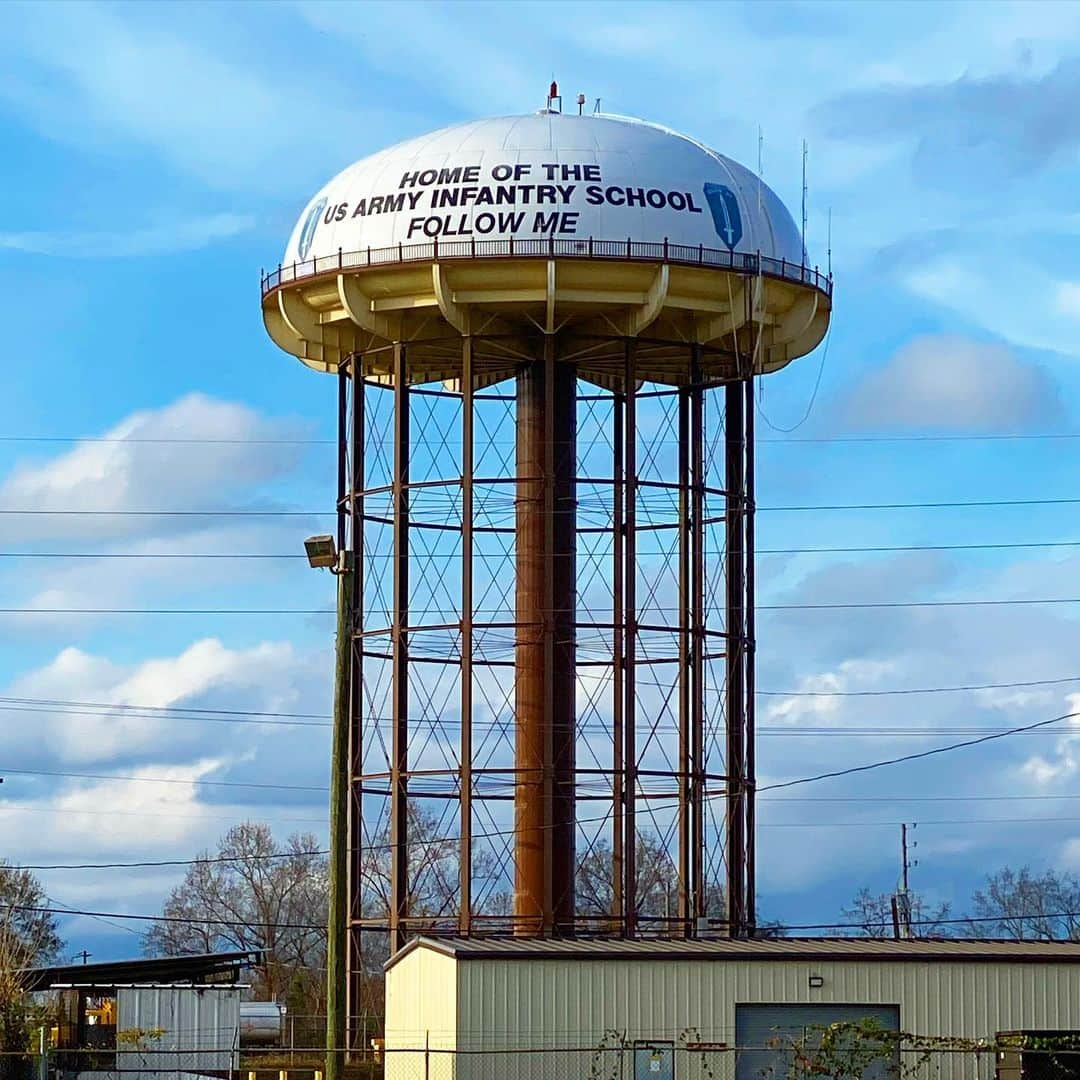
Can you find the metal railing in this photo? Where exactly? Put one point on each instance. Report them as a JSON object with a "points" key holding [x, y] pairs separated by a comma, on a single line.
{"points": [[749, 263]]}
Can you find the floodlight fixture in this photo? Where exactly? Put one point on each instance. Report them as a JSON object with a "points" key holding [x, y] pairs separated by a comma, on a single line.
{"points": [[321, 552]]}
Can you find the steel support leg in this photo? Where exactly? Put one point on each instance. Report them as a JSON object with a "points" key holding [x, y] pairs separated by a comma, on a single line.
{"points": [[735, 629], [399, 811], [466, 781]]}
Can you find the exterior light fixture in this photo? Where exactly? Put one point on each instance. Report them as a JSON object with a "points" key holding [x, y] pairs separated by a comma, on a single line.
{"points": [[321, 552], [816, 982]]}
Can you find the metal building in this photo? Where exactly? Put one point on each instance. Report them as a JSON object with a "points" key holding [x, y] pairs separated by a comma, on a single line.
{"points": [[146, 1017], [146, 1030], [521, 1009]]}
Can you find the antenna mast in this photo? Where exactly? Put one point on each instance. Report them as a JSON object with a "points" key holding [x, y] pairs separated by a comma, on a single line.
{"points": [[829, 241], [760, 169], [804, 151]]}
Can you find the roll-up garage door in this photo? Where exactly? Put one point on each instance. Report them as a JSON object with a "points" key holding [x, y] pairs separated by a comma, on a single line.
{"points": [[757, 1025]]}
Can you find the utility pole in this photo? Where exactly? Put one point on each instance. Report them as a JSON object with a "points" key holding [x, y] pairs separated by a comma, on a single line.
{"points": [[906, 866], [336, 930], [901, 901]]}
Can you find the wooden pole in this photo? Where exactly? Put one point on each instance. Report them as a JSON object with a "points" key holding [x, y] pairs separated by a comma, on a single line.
{"points": [[339, 855]]}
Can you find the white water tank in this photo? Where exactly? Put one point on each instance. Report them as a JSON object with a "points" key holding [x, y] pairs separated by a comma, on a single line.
{"points": [[261, 1023]]}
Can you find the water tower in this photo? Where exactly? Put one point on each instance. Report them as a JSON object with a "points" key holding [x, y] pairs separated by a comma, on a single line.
{"points": [[545, 330]]}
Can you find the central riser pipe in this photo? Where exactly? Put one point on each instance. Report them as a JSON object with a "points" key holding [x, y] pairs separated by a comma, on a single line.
{"points": [[545, 685]]}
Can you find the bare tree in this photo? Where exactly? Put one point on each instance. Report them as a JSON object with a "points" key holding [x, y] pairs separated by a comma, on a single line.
{"points": [[656, 881], [255, 893], [872, 915], [1020, 904], [28, 938]]}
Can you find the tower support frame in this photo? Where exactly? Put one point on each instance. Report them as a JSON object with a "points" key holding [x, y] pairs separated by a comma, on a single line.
{"points": [[525, 578]]}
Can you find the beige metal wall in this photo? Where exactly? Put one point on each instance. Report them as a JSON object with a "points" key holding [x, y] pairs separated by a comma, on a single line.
{"points": [[532, 1004], [547, 1002], [421, 1015]]}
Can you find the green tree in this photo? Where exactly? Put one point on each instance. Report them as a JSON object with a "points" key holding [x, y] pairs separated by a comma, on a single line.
{"points": [[28, 939]]}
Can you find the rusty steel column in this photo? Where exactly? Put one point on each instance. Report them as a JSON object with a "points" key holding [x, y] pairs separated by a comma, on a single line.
{"points": [[698, 640], [399, 692], [466, 779], [750, 651], [545, 646], [629, 686], [617, 662], [735, 630], [686, 689]]}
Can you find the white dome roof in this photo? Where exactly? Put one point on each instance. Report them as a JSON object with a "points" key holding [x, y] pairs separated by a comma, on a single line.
{"points": [[597, 177]]}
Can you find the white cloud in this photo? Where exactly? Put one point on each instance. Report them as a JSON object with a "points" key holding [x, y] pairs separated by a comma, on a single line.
{"points": [[164, 239], [71, 820], [960, 282], [952, 383], [122, 473], [811, 700], [1059, 768], [269, 676]]}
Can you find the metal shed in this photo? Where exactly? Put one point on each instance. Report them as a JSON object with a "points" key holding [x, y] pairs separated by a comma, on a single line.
{"points": [[146, 1031], [147, 1017], [550, 1008]]}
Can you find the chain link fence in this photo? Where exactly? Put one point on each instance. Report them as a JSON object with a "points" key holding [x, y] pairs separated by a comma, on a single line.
{"points": [[659, 1060], [611, 1059]]}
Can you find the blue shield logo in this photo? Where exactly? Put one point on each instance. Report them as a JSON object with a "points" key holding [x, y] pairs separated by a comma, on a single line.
{"points": [[725, 213], [311, 223]]}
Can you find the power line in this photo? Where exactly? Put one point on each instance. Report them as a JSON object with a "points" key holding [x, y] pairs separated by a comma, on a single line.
{"points": [[838, 606], [108, 713], [883, 438], [155, 554], [921, 754], [868, 549], [189, 921], [167, 513], [153, 864], [170, 710], [779, 731], [28, 512], [160, 780], [875, 549], [166, 611], [798, 440], [927, 505], [879, 604], [138, 439], [1005, 797], [769, 787], [163, 708], [962, 920], [69, 707], [44, 910], [963, 688]]}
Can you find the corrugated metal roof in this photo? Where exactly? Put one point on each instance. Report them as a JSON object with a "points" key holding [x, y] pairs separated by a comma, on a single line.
{"points": [[939, 949], [201, 968]]}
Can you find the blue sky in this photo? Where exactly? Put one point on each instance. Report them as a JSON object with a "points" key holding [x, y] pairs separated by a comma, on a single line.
{"points": [[158, 156]]}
